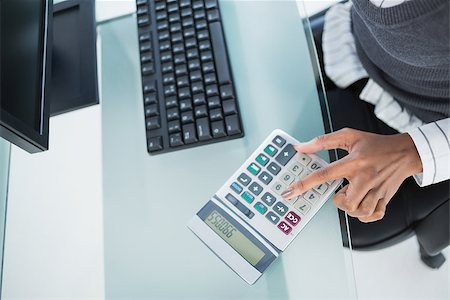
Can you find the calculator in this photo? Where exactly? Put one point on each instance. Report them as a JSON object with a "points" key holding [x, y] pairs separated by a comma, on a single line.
{"points": [[247, 223]]}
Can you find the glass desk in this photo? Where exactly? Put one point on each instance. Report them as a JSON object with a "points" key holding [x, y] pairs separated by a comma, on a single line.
{"points": [[148, 200]]}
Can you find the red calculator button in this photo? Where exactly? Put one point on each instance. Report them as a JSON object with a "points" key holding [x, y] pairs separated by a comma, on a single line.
{"points": [[284, 227], [292, 218]]}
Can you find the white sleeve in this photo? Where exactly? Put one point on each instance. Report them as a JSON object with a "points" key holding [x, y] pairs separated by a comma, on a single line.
{"points": [[433, 146]]}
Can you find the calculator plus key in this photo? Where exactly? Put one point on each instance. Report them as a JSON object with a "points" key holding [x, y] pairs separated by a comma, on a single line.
{"points": [[285, 155]]}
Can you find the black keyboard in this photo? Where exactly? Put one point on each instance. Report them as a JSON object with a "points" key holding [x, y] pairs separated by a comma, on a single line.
{"points": [[188, 91]]}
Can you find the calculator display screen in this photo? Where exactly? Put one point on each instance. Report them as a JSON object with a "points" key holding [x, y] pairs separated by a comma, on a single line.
{"points": [[236, 239]]}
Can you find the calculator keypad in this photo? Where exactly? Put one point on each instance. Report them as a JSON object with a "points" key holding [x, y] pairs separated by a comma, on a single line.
{"points": [[260, 186]]}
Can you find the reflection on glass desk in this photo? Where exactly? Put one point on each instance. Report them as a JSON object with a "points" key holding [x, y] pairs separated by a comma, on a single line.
{"points": [[149, 252]]}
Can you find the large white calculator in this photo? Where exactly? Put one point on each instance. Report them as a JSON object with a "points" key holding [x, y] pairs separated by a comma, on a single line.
{"points": [[247, 223]]}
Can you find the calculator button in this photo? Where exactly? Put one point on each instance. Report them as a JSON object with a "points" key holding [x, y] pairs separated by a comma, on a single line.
{"points": [[268, 198], [274, 168], [287, 178], [244, 179], [262, 159], [284, 227], [243, 209], [255, 188], [254, 169], [286, 154], [321, 188], [260, 207], [295, 168], [232, 199], [292, 218], [272, 217], [280, 208], [279, 141], [302, 206], [271, 150], [248, 197], [311, 197], [236, 187], [265, 177], [314, 166], [278, 187], [303, 159]]}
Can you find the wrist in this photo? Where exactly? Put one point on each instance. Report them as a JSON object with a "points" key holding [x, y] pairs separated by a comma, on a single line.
{"points": [[410, 151]]}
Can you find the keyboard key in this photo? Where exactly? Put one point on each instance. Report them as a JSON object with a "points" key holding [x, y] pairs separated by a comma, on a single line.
{"points": [[229, 107], [247, 197], [218, 129], [192, 53], [195, 76], [210, 78], [187, 22], [213, 102], [191, 43], [254, 169], [216, 114], [185, 105], [261, 208], [232, 125], [287, 178], [150, 99], [194, 65], [285, 228], [212, 90], [204, 45], [163, 35], [189, 134], [302, 206], [199, 99], [181, 70], [280, 209], [175, 29], [274, 168], [171, 102], [209, 4], [186, 12], [152, 123], [167, 67], [311, 197], [145, 37], [278, 187], [206, 56], [172, 114], [226, 92], [202, 24], [197, 87], [236, 187], [244, 179], [232, 199], [149, 87], [220, 55], [292, 218], [255, 188], [170, 90], [265, 177], [174, 17], [168, 79], [201, 111], [208, 67], [321, 188], [154, 144], [162, 25], [189, 33], [143, 21], [165, 45], [268, 198], [199, 15], [175, 140], [187, 117], [203, 129], [203, 35], [179, 59], [303, 159], [285, 155], [197, 5], [178, 48], [174, 126], [183, 81], [272, 217], [271, 150], [151, 110], [213, 15], [279, 141]]}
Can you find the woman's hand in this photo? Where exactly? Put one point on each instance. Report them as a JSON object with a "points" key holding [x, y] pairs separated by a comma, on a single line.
{"points": [[375, 167]]}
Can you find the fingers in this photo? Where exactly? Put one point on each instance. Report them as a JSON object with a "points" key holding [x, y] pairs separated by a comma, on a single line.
{"points": [[341, 139], [331, 172], [350, 199], [378, 213]]}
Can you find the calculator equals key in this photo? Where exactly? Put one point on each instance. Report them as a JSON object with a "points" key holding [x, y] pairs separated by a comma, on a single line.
{"points": [[264, 224]]}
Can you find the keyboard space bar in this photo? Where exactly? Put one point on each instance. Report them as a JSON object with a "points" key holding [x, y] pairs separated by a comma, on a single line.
{"points": [[220, 53]]}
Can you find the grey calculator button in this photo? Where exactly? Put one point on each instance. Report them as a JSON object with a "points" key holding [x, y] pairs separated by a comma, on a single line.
{"points": [[286, 154], [268, 199], [279, 141], [243, 208], [287, 178], [232, 199], [244, 179], [314, 166], [265, 177], [311, 197], [280, 208], [304, 159], [255, 188], [274, 168], [272, 217]]}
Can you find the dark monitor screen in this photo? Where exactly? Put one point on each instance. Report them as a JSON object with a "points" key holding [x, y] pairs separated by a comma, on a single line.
{"points": [[23, 47]]}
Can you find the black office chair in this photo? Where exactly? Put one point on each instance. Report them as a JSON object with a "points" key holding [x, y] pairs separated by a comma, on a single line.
{"points": [[433, 232]]}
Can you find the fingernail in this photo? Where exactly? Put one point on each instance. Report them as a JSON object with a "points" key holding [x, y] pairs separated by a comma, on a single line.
{"points": [[287, 193]]}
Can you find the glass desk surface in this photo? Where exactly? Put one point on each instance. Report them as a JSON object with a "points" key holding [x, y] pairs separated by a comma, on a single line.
{"points": [[148, 200]]}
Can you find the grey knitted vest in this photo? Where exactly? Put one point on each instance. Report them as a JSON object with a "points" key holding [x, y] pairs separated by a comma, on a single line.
{"points": [[405, 49]]}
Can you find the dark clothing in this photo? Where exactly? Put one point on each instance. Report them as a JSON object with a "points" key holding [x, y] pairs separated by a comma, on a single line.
{"points": [[405, 49]]}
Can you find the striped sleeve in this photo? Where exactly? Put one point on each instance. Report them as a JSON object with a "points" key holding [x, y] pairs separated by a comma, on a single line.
{"points": [[433, 145]]}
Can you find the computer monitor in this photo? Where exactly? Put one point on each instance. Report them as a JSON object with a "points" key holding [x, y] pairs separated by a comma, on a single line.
{"points": [[25, 65]]}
